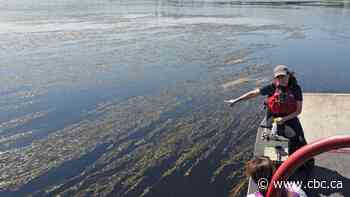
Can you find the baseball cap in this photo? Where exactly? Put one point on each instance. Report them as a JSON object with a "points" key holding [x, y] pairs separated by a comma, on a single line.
{"points": [[280, 70]]}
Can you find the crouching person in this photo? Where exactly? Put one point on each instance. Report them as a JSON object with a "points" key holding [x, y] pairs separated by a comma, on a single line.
{"points": [[261, 170]]}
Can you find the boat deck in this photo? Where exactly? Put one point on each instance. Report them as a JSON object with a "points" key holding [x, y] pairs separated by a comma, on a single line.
{"points": [[323, 115]]}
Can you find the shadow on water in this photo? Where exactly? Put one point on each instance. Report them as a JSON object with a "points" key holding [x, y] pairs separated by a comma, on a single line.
{"points": [[59, 174]]}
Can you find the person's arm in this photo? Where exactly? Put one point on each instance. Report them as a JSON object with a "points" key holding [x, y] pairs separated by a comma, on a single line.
{"points": [[294, 114], [246, 96]]}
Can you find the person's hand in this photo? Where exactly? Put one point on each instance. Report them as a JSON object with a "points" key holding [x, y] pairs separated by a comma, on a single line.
{"points": [[279, 120], [231, 102]]}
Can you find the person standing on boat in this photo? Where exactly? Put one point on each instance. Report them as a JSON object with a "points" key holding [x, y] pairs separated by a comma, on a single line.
{"points": [[284, 103]]}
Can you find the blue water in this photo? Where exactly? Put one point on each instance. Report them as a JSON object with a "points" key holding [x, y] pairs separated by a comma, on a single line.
{"points": [[65, 57]]}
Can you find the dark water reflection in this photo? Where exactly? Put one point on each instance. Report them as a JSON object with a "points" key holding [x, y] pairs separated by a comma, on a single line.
{"points": [[62, 173], [71, 55]]}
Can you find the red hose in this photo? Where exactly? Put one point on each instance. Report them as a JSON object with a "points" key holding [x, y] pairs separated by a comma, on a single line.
{"points": [[303, 154]]}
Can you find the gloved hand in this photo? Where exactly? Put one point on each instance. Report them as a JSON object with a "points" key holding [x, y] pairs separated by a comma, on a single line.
{"points": [[279, 120], [231, 102]]}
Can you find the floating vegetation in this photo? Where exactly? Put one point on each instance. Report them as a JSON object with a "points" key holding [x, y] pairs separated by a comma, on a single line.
{"points": [[22, 120], [233, 83], [235, 61], [143, 145], [150, 141]]}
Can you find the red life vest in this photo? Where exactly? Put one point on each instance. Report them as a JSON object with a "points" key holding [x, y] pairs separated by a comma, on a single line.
{"points": [[282, 103]]}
